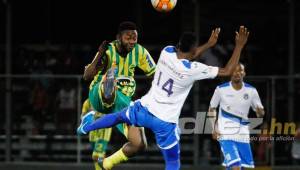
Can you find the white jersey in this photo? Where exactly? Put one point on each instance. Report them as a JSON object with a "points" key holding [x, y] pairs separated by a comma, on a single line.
{"points": [[234, 107], [172, 82]]}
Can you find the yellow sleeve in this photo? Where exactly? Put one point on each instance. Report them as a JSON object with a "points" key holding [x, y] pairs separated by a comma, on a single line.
{"points": [[146, 62], [86, 106]]}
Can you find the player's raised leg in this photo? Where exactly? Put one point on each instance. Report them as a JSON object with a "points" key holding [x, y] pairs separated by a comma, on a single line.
{"points": [[108, 92], [87, 124]]}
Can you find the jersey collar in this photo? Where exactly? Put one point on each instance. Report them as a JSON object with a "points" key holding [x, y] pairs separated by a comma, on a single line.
{"points": [[243, 86]]}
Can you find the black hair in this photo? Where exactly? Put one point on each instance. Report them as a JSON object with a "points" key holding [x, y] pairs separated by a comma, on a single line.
{"points": [[186, 41], [243, 65], [126, 25]]}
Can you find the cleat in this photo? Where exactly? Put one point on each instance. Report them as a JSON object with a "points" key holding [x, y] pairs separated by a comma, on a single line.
{"points": [[85, 120], [100, 163], [109, 83]]}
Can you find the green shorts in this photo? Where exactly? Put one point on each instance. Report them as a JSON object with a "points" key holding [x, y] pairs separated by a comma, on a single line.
{"points": [[121, 100]]}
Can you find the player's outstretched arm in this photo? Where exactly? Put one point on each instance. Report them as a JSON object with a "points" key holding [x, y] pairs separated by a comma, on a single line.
{"points": [[241, 39], [210, 43], [91, 69]]}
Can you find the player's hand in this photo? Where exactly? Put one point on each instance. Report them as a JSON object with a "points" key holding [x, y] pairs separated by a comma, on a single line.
{"points": [[215, 134], [241, 37], [213, 37], [103, 47]]}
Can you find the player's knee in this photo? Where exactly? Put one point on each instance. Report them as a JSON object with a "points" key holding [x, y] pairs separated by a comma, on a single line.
{"points": [[137, 138], [131, 149], [236, 168], [138, 145], [141, 146]]}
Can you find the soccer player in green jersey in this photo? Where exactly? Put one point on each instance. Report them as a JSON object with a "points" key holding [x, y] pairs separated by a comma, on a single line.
{"points": [[113, 85]]}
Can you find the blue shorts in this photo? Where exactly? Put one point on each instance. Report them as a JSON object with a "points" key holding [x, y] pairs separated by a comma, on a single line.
{"points": [[166, 133], [236, 154]]}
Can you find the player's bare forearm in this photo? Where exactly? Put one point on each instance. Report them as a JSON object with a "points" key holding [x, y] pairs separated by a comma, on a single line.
{"points": [[241, 39], [233, 61], [200, 50], [212, 116], [260, 112], [92, 69], [210, 43]]}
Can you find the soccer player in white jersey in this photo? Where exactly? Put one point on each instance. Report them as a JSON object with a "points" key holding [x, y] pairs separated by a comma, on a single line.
{"points": [[234, 99], [160, 108]]}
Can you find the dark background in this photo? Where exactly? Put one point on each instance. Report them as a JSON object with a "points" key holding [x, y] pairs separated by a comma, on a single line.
{"points": [[89, 22], [55, 37]]}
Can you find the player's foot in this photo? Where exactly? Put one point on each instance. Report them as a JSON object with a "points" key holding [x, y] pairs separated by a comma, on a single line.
{"points": [[109, 83], [85, 120], [100, 163]]}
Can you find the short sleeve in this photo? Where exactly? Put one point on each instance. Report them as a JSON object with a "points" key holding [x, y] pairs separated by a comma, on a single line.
{"points": [[201, 71], [256, 102], [146, 62], [215, 100]]}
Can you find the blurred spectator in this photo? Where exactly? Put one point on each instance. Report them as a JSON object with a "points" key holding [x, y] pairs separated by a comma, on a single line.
{"points": [[210, 57], [51, 61], [70, 63], [296, 147], [66, 113], [55, 59], [39, 101]]}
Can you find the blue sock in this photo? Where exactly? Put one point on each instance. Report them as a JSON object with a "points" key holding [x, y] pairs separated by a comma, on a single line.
{"points": [[108, 120], [172, 157], [173, 165]]}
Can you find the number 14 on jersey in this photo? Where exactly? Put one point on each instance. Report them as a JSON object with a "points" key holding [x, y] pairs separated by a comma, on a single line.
{"points": [[167, 86]]}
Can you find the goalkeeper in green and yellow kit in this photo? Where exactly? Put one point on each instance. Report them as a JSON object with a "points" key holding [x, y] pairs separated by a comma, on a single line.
{"points": [[113, 85]]}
